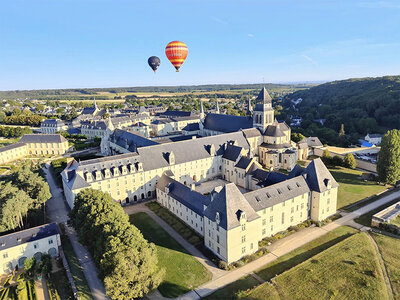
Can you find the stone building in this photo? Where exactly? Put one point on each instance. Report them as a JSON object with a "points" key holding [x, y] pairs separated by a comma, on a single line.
{"points": [[16, 247], [52, 126]]}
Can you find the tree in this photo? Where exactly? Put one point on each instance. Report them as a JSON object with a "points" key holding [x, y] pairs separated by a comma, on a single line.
{"points": [[349, 161], [297, 137], [326, 157], [126, 261], [341, 132], [45, 265], [337, 161], [2, 115], [60, 111], [29, 265], [388, 166], [40, 107]]}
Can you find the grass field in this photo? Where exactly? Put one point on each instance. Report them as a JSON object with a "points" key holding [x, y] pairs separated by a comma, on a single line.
{"points": [[183, 271], [347, 270], [351, 188], [285, 262], [389, 248], [76, 270], [179, 226]]}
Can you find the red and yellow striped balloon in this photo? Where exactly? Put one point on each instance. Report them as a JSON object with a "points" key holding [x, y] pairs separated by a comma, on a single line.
{"points": [[176, 52]]}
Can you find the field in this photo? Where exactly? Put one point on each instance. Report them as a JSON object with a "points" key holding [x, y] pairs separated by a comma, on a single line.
{"points": [[183, 271], [389, 248], [351, 188], [285, 262], [347, 270]]}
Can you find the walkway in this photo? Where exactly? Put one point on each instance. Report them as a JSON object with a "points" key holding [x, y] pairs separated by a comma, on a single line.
{"points": [[42, 293], [58, 210], [285, 246], [215, 271]]}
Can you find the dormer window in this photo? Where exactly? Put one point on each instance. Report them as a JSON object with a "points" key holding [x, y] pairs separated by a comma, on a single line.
{"points": [[289, 188], [279, 191], [268, 195], [217, 218]]}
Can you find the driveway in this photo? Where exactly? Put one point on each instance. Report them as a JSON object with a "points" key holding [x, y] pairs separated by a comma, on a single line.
{"points": [[58, 210]]}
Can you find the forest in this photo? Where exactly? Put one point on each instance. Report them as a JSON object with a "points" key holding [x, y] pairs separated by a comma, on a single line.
{"points": [[351, 108]]}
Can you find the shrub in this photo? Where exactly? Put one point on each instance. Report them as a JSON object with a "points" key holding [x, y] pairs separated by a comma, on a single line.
{"points": [[222, 265]]}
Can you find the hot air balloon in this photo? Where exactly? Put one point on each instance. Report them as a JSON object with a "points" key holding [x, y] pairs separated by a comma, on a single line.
{"points": [[154, 62], [176, 52]]}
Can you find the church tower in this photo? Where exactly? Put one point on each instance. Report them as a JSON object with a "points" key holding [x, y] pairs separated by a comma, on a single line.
{"points": [[263, 113]]}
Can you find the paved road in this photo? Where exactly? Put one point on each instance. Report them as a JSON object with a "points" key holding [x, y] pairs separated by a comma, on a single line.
{"points": [[58, 210], [285, 246]]}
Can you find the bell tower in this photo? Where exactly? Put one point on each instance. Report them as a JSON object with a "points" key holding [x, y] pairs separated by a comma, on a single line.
{"points": [[263, 113]]}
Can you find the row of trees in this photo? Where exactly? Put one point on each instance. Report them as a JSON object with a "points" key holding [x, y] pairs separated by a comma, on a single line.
{"points": [[126, 261], [24, 190], [22, 119], [347, 161], [12, 132]]}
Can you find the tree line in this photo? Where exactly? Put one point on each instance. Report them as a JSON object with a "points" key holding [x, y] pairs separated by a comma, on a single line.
{"points": [[127, 262], [22, 192], [13, 132]]}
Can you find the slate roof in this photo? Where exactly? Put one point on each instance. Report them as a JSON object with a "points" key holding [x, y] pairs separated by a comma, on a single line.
{"points": [[296, 171], [176, 113], [99, 125], [232, 152], [130, 139], [229, 203], [277, 193], [11, 146], [74, 131], [251, 132], [276, 146], [89, 110], [42, 138], [318, 176], [312, 141], [227, 123], [273, 130], [264, 96], [243, 162], [52, 122], [183, 194], [374, 135], [28, 235], [191, 127], [266, 178]]}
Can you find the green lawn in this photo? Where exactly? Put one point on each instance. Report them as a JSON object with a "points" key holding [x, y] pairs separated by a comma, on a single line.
{"points": [[389, 248], [76, 269], [178, 225], [351, 188], [344, 271], [183, 271], [304, 252], [365, 219]]}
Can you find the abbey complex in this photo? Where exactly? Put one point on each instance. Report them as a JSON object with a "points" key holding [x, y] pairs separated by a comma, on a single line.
{"points": [[220, 177]]}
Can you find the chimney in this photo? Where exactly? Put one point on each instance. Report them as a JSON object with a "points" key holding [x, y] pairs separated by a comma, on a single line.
{"points": [[193, 186]]}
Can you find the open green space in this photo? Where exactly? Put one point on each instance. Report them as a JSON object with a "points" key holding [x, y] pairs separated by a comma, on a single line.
{"points": [[389, 248], [304, 252], [183, 271], [285, 262], [347, 270], [178, 225], [352, 188], [76, 269], [365, 219]]}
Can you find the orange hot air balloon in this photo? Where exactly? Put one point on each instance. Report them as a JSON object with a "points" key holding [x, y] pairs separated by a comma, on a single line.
{"points": [[176, 52]]}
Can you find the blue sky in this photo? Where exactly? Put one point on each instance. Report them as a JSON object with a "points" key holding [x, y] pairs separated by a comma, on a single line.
{"points": [[68, 44]]}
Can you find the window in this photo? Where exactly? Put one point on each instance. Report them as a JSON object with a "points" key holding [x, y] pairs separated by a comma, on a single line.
{"points": [[264, 221], [243, 227], [243, 250], [283, 218], [272, 228], [217, 228], [328, 201], [5, 255], [50, 241], [292, 210], [263, 231], [251, 246], [243, 239], [302, 205], [297, 208], [291, 219], [209, 233], [35, 245], [271, 218], [218, 239], [218, 250]]}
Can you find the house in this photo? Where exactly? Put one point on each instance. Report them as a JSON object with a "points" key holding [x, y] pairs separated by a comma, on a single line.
{"points": [[374, 138], [52, 126], [16, 247]]}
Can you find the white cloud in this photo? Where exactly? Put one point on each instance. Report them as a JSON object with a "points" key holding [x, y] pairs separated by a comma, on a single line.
{"points": [[219, 21], [310, 59], [250, 35]]}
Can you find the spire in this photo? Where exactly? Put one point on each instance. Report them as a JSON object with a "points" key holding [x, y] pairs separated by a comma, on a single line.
{"points": [[217, 108], [95, 106], [264, 96], [249, 107], [201, 110]]}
